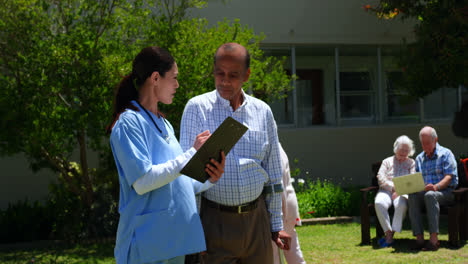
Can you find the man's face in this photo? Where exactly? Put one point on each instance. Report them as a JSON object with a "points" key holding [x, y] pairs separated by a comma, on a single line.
{"points": [[230, 74], [428, 143]]}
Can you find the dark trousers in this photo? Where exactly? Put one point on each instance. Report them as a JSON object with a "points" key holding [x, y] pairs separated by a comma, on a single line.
{"points": [[237, 238]]}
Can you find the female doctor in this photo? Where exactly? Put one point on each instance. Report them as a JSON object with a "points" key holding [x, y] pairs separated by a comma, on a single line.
{"points": [[158, 222]]}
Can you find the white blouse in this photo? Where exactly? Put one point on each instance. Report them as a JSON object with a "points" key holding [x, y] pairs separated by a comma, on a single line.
{"points": [[390, 168]]}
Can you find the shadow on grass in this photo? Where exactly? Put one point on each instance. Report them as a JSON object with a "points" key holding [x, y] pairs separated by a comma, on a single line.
{"points": [[43, 252], [405, 245]]}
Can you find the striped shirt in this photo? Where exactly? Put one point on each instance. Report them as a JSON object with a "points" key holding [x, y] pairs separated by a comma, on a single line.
{"points": [[440, 164], [252, 163]]}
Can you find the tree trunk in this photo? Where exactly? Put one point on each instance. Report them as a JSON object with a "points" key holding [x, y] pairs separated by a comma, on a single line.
{"points": [[84, 169]]}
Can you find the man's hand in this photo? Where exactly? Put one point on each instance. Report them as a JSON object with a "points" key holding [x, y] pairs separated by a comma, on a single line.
{"points": [[216, 169], [394, 195], [430, 187], [282, 239]]}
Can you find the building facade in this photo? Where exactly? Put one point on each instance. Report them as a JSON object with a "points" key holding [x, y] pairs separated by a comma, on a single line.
{"points": [[346, 109]]}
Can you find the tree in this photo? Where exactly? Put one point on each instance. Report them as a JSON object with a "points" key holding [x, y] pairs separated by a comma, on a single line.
{"points": [[61, 60], [193, 43], [438, 57], [194, 47]]}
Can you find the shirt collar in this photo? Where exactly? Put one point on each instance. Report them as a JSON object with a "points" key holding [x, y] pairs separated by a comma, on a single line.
{"points": [[227, 104], [436, 152]]}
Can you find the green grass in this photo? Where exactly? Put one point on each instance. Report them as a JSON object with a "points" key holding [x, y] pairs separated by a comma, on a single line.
{"points": [[102, 253], [338, 243]]}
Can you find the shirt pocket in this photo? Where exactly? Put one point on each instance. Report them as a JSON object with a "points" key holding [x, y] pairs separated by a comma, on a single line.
{"points": [[151, 233], [168, 234], [253, 145]]}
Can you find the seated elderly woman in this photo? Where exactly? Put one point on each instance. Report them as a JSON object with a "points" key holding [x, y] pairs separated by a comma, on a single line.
{"points": [[394, 166]]}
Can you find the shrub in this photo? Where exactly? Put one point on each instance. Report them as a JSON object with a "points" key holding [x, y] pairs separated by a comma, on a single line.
{"points": [[73, 221], [62, 217], [324, 199], [25, 221]]}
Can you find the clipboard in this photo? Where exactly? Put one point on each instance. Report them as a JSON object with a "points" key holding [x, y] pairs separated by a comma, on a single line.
{"points": [[224, 138]]}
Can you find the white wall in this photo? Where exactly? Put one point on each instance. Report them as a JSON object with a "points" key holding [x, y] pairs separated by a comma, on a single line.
{"points": [[18, 182], [310, 21]]}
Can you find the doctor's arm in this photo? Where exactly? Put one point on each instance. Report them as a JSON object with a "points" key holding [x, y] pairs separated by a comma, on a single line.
{"points": [[162, 174]]}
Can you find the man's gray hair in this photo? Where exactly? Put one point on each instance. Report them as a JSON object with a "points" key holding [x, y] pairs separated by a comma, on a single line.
{"points": [[433, 132], [404, 140]]}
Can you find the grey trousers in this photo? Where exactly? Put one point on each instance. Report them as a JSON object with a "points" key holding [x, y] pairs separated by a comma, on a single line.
{"points": [[431, 201]]}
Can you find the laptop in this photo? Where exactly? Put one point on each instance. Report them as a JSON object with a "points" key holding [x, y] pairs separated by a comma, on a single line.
{"points": [[410, 183]]}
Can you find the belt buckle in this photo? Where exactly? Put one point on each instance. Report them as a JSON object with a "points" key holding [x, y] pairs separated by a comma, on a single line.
{"points": [[239, 209]]}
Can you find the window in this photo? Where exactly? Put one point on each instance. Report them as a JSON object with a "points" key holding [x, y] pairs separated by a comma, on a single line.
{"points": [[283, 110], [356, 99], [399, 104], [441, 104], [370, 89], [309, 92]]}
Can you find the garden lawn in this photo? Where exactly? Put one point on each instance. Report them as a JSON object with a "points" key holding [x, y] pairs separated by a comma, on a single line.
{"points": [[338, 243], [102, 253]]}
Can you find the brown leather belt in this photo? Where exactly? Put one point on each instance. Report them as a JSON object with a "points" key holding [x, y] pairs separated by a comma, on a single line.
{"points": [[243, 208]]}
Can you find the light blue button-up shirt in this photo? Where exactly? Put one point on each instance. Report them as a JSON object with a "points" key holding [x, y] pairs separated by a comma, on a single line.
{"points": [[252, 163], [163, 223], [440, 164]]}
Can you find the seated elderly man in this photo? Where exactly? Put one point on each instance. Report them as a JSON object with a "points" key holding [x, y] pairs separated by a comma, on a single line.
{"points": [[439, 169]]}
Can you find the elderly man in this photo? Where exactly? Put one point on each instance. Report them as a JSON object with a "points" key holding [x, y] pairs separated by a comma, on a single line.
{"points": [[439, 169], [242, 213]]}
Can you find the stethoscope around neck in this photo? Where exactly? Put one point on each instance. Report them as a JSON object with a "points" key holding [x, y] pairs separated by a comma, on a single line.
{"points": [[166, 137]]}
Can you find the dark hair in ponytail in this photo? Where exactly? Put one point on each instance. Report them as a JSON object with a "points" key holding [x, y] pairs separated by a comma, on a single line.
{"points": [[149, 60]]}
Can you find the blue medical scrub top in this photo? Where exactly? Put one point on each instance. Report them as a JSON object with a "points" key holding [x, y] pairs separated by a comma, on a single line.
{"points": [[163, 223]]}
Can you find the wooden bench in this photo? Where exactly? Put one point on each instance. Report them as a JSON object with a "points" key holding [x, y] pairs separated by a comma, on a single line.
{"points": [[457, 212]]}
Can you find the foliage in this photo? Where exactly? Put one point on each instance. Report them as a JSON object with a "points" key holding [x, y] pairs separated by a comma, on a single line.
{"points": [[62, 217], [71, 221], [295, 170], [194, 43], [25, 221], [59, 63], [438, 57], [49, 107], [322, 198]]}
